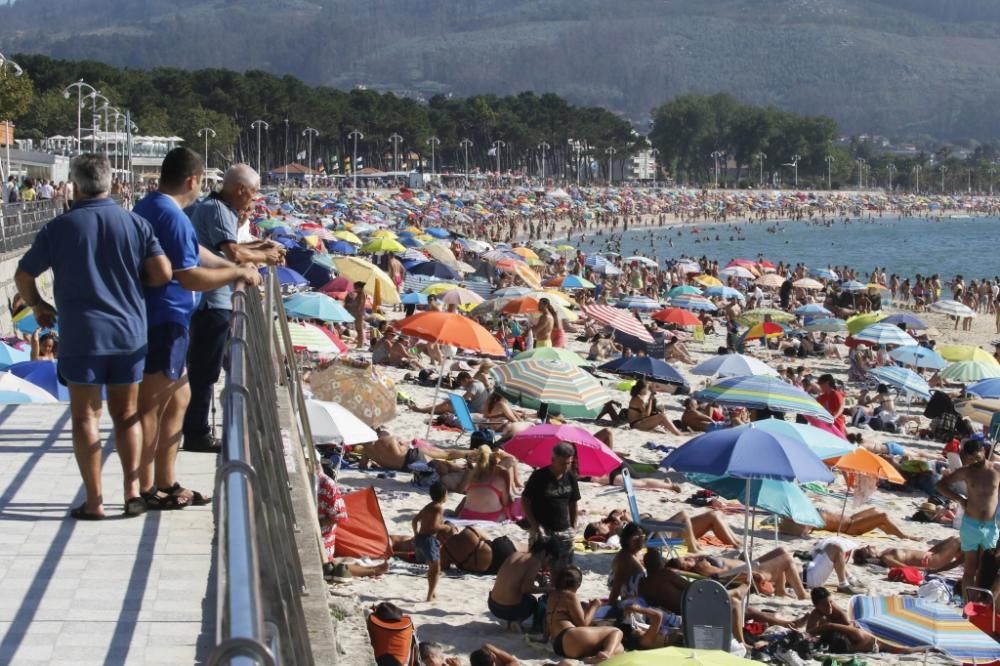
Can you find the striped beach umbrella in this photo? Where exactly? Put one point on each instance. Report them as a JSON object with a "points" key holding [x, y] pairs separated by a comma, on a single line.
{"points": [[918, 357], [532, 383], [553, 354], [903, 379], [966, 372], [826, 325], [758, 315], [311, 337], [692, 302], [620, 320], [639, 303], [741, 272], [913, 622], [885, 334], [569, 282], [764, 392], [952, 308]]}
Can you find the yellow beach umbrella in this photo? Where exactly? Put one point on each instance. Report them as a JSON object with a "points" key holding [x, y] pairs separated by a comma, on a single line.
{"points": [[860, 322], [676, 656], [356, 269], [384, 233], [964, 353], [441, 252], [382, 245], [708, 280], [414, 230], [526, 252], [438, 288], [347, 236]]}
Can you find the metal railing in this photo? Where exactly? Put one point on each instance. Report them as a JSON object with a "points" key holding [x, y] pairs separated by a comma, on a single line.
{"points": [[260, 619], [19, 222]]}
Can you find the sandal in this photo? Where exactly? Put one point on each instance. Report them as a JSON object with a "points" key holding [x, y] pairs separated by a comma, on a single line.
{"points": [[158, 500], [192, 497], [81, 513], [135, 507]]}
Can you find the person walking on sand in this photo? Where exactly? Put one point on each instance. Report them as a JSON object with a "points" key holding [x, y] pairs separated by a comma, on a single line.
{"points": [[426, 525], [550, 501], [979, 528], [542, 329]]}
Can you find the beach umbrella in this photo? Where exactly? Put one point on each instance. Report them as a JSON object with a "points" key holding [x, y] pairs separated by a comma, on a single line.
{"points": [[981, 411], [413, 298], [910, 621], [807, 283], [347, 236], [645, 261], [952, 308], [826, 325], [782, 498], [965, 353], [330, 421], [10, 355], [740, 272], [987, 388], [852, 285], [732, 365], [534, 447], [692, 302], [442, 253], [707, 280], [314, 338], [569, 282], [383, 245], [462, 297], [885, 334], [438, 232], [824, 273], [613, 364], [759, 315], [652, 369], [822, 442], [510, 292], [286, 276], [525, 252], [684, 290], [764, 392], [553, 354], [434, 269], [522, 305], [532, 383], [411, 242], [25, 322], [966, 372], [689, 267], [619, 320], [21, 398], [378, 285], [37, 382], [864, 462], [317, 305], [813, 310], [364, 391], [918, 357], [725, 292], [770, 280], [675, 656], [907, 319], [639, 303], [903, 379], [860, 322], [676, 316], [438, 288], [765, 329], [521, 270]]}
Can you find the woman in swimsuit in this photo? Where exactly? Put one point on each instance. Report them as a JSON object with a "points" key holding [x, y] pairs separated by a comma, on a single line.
{"points": [[627, 571], [858, 524], [568, 624], [776, 567], [943, 556], [487, 487], [642, 413]]}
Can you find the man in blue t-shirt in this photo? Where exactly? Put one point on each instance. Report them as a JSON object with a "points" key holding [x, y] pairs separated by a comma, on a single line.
{"points": [[101, 256], [164, 394]]}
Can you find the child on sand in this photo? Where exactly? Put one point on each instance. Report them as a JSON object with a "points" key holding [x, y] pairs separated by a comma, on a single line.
{"points": [[426, 525]]}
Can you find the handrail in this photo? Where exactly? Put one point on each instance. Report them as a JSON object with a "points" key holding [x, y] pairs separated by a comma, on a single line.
{"points": [[19, 222]]}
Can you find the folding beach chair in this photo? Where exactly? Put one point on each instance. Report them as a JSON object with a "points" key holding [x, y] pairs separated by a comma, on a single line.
{"points": [[707, 612], [655, 529], [464, 416]]}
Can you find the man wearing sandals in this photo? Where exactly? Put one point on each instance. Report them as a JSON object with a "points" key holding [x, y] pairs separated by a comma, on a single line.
{"points": [[164, 393], [101, 256]]}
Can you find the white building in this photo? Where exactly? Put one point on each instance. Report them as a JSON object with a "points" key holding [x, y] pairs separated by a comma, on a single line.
{"points": [[641, 166]]}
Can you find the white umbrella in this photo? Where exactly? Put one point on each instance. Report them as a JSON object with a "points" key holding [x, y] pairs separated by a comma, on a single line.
{"points": [[329, 420], [737, 272], [952, 308], [13, 383], [733, 365]]}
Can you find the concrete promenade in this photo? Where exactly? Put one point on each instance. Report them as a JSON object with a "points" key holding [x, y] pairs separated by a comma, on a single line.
{"points": [[117, 591]]}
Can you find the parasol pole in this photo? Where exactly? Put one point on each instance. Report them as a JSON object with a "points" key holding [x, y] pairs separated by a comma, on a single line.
{"points": [[747, 536], [437, 389]]}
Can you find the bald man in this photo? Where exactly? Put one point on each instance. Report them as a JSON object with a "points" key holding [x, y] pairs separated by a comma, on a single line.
{"points": [[216, 220]]}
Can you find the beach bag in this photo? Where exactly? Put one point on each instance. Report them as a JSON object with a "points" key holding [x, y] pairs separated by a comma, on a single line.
{"points": [[935, 591], [392, 635], [910, 575]]}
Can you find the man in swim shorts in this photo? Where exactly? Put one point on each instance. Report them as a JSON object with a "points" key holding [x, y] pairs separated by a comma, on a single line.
{"points": [[979, 528]]}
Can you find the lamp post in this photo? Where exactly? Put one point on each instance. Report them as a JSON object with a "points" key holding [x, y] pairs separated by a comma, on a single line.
{"points": [[466, 143], [355, 134], [79, 85], [433, 141], [258, 124], [286, 151], [762, 156], [716, 154], [310, 132], [395, 139], [795, 166], [107, 131], [861, 172], [93, 118], [543, 147], [916, 173], [655, 152], [944, 170], [497, 145], [890, 167], [993, 171], [970, 181], [610, 152], [5, 62], [577, 147], [829, 172], [206, 132]]}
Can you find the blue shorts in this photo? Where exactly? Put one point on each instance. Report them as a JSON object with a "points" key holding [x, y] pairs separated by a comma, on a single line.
{"points": [[427, 548], [167, 349], [117, 369], [975, 534]]}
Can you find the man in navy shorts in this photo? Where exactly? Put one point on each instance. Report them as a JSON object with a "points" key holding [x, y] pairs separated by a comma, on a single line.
{"points": [[164, 394], [100, 255]]}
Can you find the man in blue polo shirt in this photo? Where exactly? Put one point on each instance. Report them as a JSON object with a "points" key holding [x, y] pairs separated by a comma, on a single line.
{"points": [[100, 256], [164, 394]]}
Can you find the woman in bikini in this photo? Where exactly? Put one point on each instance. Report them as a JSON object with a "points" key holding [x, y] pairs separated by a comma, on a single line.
{"points": [[776, 567], [642, 412], [627, 571], [488, 489], [858, 524], [568, 623], [942, 556]]}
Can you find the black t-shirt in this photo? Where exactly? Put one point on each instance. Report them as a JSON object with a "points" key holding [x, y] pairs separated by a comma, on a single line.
{"points": [[550, 498]]}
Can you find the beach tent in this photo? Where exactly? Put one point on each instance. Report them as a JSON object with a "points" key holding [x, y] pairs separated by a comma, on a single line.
{"points": [[363, 534]]}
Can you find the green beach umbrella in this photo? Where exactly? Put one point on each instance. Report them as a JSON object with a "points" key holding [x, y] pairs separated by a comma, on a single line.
{"points": [[553, 354], [563, 387], [967, 372]]}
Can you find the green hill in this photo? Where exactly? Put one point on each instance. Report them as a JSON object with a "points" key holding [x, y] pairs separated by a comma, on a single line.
{"points": [[898, 67]]}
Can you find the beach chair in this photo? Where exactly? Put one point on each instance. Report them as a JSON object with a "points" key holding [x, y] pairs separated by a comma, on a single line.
{"points": [[464, 417], [707, 612], [657, 530]]}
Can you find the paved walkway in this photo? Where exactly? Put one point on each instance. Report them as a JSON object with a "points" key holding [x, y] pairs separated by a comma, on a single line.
{"points": [[117, 591]]}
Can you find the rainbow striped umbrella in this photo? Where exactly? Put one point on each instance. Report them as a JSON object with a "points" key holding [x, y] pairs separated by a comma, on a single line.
{"points": [[914, 622], [967, 372], [534, 382], [620, 320], [764, 392]]}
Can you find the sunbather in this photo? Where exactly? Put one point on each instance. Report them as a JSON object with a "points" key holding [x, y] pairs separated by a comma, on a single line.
{"points": [[942, 556]]}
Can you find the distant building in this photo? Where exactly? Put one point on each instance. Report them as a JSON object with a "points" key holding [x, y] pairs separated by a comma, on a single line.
{"points": [[641, 166]]}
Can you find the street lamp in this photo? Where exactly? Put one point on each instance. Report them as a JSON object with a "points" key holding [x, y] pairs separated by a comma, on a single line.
{"points": [[286, 151], [433, 141], [861, 172], [79, 85], [258, 124], [4, 62], [890, 167], [577, 147], [395, 138], [916, 173], [543, 147], [944, 170], [762, 156], [355, 134], [655, 152], [993, 171], [716, 155], [310, 132], [829, 172], [206, 132], [93, 118], [466, 143], [610, 152], [497, 145]]}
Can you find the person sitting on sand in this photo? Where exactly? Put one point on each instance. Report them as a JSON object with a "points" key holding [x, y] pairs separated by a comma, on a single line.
{"points": [[646, 630], [488, 489], [498, 409], [879, 413], [390, 452], [674, 350], [568, 624], [388, 350], [831, 625], [519, 578], [694, 419], [942, 556], [858, 524], [626, 567], [475, 397], [643, 412]]}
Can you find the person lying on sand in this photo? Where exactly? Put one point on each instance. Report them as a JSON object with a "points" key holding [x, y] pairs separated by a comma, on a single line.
{"points": [[776, 567], [390, 452], [858, 524], [942, 556], [694, 528]]}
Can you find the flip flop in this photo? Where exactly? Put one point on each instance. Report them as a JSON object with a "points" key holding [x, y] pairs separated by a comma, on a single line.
{"points": [[193, 497], [135, 507], [81, 513], [159, 500]]}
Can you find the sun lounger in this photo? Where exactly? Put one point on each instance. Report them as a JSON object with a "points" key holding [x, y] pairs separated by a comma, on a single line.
{"points": [[655, 529]]}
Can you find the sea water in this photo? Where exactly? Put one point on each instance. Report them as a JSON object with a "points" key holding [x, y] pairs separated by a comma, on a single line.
{"points": [[904, 246]]}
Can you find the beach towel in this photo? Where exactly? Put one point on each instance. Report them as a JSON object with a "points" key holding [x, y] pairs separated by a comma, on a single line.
{"points": [[363, 534]]}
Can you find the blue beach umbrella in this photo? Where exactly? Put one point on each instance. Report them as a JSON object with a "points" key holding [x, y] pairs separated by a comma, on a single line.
{"points": [[438, 232], [813, 310], [724, 292], [435, 269], [918, 357], [852, 285], [287, 277], [903, 379], [15, 398], [413, 298], [885, 334], [692, 302], [824, 444], [987, 388], [9, 356], [652, 369], [341, 247], [614, 364], [314, 305], [908, 320], [782, 498], [826, 325], [43, 375], [763, 392]]}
